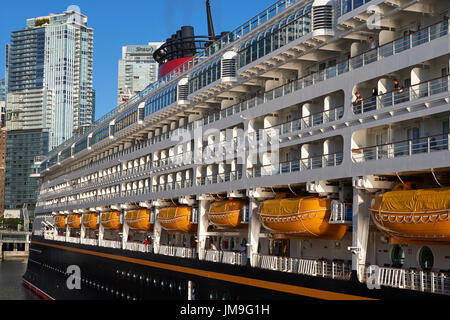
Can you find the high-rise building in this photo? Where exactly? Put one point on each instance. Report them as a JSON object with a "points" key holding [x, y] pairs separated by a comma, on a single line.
{"points": [[3, 142], [54, 53], [2, 90], [137, 69], [49, 95], [2, 102]]}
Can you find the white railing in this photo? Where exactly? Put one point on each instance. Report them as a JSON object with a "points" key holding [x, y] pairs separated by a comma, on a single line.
{"points": [[403, 148], [418, 280], [228, 257], [134, 246], [316, 162], [91, 242], [180, 252], [213, 255], [73, 240], [111, 244], [318, 268]]}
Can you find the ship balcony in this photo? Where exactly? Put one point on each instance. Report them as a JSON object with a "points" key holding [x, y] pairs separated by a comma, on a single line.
{"points": [[219, 178], [139, 247], [401, 96], [404, 148], [227, 257], [310, 163], [174, 251], [336, 269], [409, 279], [174, 185], [303, 123]]}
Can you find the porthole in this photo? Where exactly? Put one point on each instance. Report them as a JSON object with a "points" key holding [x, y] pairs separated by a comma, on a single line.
{"points": [[156, 282], [163, 284], [426, 258], [213, 294], [182, 289], [397, 256], [226, 296], [172, 287]]}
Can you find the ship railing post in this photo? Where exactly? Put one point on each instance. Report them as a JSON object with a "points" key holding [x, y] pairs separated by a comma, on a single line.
{"points": [[203, 224], [157, 232], [101, 231], [360, 223], [254, 229], [82, 233], [125, 232]]}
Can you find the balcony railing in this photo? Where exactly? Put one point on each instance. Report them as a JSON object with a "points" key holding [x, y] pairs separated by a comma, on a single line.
{"points": [[410, 279], [180, 252], [317, 268], [316, 162], [402, 148], [395, 97], [228, 257], [312, 120], [219, 178], [134, 246]]}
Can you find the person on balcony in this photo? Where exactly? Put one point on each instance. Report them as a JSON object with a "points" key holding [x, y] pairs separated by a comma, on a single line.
{"points": [[212, 246], [372, 43], [397, 86], [357, 103]]}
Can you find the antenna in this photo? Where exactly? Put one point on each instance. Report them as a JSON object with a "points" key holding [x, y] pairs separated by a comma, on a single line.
{"points": [[211, 33]]}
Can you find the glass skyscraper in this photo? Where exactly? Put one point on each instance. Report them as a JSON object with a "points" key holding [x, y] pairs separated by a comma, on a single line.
{"points": [[49, 95]]}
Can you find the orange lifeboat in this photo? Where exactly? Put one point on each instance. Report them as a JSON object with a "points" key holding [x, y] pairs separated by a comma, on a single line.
{"points": [[111, 220], [413, 216], [60, 221], [74, 221], [227, 214], [139, 219], [90, 220], [304, 218], [177, 219]]}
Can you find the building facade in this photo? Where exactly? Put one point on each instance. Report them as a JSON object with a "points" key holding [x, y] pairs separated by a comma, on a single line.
{"points": [[55, 53], [49, 95], [137, 69]]}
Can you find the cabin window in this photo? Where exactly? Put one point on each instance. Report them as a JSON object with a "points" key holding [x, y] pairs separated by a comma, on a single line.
{"points": [[426, 258], [397, 256]]}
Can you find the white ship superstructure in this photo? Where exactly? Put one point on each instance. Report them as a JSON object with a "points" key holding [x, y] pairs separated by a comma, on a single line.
{"points": [[273, 145]]}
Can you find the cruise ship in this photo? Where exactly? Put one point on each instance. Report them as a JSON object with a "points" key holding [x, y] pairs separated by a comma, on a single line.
{"points": [[303, 155]]}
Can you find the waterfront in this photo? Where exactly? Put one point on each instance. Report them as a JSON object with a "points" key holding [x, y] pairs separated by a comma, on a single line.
{"points": [[11, 287]]}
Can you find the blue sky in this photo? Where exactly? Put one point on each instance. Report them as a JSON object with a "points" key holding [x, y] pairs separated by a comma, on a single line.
{"points": [[119, 23]]}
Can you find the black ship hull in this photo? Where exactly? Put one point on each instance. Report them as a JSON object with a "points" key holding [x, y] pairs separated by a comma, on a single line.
{"points": [[109, 274]]}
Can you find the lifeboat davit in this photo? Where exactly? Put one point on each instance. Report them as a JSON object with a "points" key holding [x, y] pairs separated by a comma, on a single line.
{"points": [[74, 221], [177, 219], [111, 220], [227, 214], [304, 218], [60, 221], [413, 216], [90, 220], [139, 219]]}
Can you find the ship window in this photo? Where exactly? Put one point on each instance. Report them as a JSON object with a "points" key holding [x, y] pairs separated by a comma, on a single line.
{"points": [[397, 256], [213, 294], [426, 258]]}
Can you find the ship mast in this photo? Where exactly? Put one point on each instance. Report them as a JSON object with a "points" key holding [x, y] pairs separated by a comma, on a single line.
{"points": [[211, 32]]}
